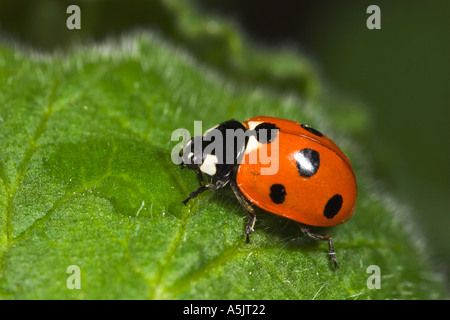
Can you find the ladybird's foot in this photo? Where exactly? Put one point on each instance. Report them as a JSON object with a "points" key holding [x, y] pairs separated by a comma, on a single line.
{"points": [[248, 231], [333, 259], [249, 228], [331, 252], [186, 201]]}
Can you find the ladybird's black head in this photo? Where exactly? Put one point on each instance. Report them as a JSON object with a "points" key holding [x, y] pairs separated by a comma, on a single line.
{"points": [[217, 152], [191, 154]]}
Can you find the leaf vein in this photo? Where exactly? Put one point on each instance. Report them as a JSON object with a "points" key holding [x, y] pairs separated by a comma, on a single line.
{"points": [[12, 190]]}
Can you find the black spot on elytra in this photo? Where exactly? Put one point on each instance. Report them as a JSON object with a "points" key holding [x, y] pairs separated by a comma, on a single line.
{"points": [[308, 162], [312, 130], [333, 206], [264, 132], [277, 193]]}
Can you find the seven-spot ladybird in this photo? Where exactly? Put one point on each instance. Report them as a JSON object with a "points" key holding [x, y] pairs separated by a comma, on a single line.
{"points": [[280, 166]]}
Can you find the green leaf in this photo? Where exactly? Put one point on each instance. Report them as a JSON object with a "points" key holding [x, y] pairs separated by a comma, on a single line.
{"points": [[86, 179]]}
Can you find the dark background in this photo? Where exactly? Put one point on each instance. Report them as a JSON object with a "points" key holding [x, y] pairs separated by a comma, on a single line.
{"points": [[401, 73]]}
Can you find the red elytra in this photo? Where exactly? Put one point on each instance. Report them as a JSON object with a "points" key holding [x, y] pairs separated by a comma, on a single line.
{"points": [[323, 196]]}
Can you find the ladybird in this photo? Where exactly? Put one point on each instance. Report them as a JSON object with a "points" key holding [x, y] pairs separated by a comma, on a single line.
{"points": [[308, 178]]}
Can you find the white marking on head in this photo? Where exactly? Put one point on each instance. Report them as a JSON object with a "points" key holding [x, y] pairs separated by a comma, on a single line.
{"points": [[209, 165], [252, 124]]}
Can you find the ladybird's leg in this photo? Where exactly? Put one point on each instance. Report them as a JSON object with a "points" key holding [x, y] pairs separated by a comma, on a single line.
{"points": [[247, 205], [203, 187], [200, 178], [194, 194], [324, 237]]}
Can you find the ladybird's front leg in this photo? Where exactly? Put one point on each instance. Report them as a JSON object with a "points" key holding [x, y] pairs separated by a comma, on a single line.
{"points": [[195, 193], [251, 211], [200, 178], [203, 187]]}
